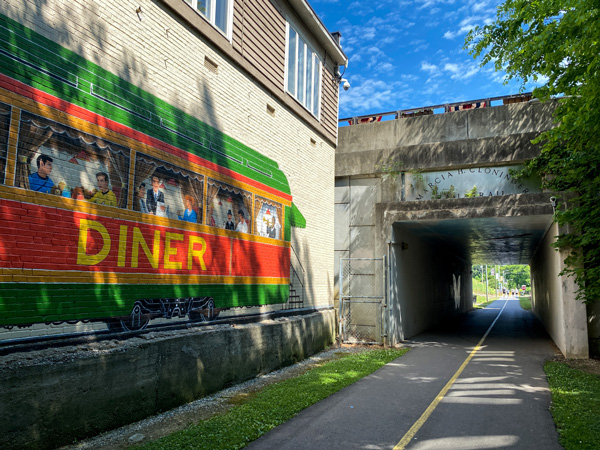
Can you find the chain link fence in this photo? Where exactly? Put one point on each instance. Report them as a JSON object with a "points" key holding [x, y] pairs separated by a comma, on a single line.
{"points": [[362, 300]]}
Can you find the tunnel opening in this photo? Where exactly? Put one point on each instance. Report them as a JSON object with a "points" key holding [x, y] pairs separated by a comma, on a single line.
{"points": [[435, 246]]}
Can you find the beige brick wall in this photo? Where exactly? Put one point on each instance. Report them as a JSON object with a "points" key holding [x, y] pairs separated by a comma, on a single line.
{"points": [[162, 56]]}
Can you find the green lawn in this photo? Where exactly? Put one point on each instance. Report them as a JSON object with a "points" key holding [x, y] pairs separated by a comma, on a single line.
{"points": [[481, 303], [525, 302], [575, 406], [276, 404]]}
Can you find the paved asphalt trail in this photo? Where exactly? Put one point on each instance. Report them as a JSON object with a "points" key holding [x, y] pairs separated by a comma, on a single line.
{"points": [[499, 401]]}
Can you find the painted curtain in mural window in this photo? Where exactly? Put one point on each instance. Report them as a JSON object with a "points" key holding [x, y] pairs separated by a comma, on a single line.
{"points": [[55, 159], [5, 111], [167, 190]]}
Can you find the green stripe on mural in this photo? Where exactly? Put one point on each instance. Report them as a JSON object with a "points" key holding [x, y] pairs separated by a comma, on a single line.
{"points": [[45, 65], [22, 303]]}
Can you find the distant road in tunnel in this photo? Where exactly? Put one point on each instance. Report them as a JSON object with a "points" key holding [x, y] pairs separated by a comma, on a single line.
{"points": [[475, 383]]}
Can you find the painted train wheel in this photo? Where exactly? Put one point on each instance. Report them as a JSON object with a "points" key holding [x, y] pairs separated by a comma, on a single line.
{"points": [[134, 322], [207, 312]]}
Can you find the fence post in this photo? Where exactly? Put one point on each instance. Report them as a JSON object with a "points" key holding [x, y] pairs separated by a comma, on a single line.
{"points": [[341, 294]]}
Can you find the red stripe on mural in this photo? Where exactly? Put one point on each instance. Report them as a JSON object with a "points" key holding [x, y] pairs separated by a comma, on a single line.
{"points": [[269, 260], [44, 238], [82, 113]]}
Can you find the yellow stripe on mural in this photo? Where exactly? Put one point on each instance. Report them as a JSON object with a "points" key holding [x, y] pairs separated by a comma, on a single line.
{"points": [[60, 276], [69, 204]]}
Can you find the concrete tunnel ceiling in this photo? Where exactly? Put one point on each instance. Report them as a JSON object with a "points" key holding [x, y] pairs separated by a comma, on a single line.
{"points": [[489, 240], [485, 230]]}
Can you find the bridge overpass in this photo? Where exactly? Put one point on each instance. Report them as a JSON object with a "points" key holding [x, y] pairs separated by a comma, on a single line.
{"points": [[435, 194]]}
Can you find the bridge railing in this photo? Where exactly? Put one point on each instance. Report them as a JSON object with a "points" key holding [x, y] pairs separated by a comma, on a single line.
{"points": [[436, 109]]}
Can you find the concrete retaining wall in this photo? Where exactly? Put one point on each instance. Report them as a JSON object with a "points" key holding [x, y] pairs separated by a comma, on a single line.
{"points": [[51, 398]]}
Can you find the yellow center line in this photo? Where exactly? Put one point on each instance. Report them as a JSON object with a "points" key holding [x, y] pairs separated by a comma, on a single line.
{"points": [[419, 423]]}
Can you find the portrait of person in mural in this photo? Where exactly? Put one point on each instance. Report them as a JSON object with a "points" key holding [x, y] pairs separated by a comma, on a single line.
{"points": [[154, 195], [242, 225], [103, 195], [175, 192], [40, 181], [229, 225], [223, 201], [189, 215], [57, 159], [268, 218], [141, 199]]}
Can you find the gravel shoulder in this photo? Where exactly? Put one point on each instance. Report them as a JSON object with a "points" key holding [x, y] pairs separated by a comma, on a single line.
{"points": [[179, 418]]}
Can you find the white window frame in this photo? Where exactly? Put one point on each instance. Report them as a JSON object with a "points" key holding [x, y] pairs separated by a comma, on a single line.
{"points": [[307, 101], [211, 16]]}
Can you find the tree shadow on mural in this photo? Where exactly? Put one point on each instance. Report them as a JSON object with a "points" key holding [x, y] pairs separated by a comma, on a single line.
{"points": [[55, 157]]}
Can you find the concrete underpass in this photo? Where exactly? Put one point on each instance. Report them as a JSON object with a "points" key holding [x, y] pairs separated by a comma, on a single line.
{"points": [[437, 194]]}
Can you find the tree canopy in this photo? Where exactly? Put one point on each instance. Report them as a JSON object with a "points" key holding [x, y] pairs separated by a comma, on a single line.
{"points": [[556, 43]]}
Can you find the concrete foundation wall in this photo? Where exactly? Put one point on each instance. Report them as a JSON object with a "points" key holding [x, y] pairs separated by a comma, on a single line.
{"points": [[52, 399], [554, 302]]}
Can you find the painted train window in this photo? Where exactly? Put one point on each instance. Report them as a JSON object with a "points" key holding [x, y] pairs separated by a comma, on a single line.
{"points": [[268, 218], [56, 159], [228, 207], [166, 190], [4, 129]]}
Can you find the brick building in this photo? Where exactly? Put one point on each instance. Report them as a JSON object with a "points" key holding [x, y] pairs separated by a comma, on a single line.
{"points": [[248, 86]]}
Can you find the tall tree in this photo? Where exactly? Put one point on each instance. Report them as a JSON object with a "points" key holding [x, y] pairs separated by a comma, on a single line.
{"points": [[557, 43]]}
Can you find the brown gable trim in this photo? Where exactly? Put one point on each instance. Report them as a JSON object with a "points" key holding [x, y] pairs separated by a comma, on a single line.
{"points": [[222, 44]]}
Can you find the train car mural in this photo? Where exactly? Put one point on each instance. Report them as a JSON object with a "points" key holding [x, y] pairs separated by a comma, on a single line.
{"points": [[117, 207]]}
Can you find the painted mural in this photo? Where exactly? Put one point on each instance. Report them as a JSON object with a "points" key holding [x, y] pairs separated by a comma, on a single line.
{"points": [[115, 214]]}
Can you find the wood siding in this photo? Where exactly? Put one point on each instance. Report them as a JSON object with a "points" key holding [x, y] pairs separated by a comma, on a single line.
{"points": [[259, 37], [329, 102], [258, 47]]}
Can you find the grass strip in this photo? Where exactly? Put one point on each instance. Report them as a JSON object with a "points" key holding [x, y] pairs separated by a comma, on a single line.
{"points": [[276, 404], [525, 302], [575, 406], [483, 303]]}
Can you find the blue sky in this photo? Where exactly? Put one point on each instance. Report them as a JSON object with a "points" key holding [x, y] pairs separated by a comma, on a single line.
{"points": [[409, 53]]}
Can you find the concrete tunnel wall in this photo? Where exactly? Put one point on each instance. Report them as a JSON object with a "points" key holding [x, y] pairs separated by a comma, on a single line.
{"points": [[553, 300], [428, 284]]}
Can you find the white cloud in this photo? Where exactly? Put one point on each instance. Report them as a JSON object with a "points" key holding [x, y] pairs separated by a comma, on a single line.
{"points": [[432, 4], [418, 45], [384, 67], [409, 77], [371, 95], [431, 68], [462, 71], [453, 68], [463, 30]]}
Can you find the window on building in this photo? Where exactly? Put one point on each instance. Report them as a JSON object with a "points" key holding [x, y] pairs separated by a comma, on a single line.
{"points": [[218, 12], [303, 77]]}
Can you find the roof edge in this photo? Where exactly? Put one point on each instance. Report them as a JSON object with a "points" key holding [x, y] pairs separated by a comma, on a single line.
{"points": [[316, 26]]}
